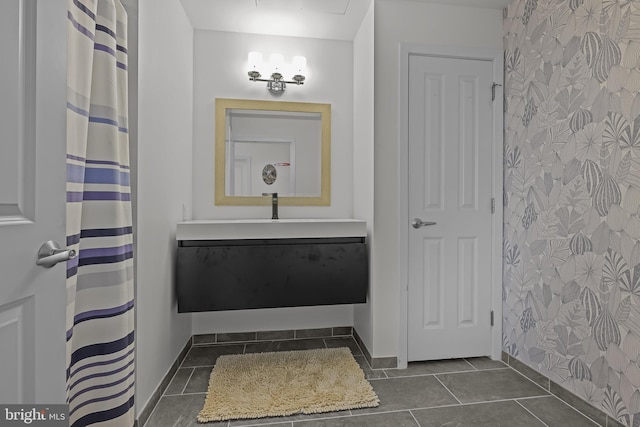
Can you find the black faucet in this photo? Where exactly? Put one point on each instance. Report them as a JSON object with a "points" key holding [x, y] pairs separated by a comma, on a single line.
{"points": [[274, 204]]}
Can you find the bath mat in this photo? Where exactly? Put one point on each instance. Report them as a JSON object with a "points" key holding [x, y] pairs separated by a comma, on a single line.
{"points": [[258, 385]]}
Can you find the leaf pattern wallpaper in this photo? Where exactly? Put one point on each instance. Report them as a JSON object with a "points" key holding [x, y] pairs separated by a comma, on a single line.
{"points": [[572, 197]]}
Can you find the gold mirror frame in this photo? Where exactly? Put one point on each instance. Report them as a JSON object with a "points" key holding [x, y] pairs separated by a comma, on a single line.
{"points": [[223, 104]]}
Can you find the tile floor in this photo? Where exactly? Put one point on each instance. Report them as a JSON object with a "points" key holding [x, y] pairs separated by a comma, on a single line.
{"points": [[458, 392]]}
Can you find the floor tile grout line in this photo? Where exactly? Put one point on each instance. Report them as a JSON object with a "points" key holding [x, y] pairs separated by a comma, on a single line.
{"points": [[470, 364], [445, 372], [574, 408], [532, 381], [188, 379], [170, 381], [534, 415], [447, 388], [414, 418]]}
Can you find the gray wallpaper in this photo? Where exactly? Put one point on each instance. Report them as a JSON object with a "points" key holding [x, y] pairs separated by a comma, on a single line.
{"points": [[572, 197]]}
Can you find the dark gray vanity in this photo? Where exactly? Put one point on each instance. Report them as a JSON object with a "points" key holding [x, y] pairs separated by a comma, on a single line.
{"points": [[247, 264]]}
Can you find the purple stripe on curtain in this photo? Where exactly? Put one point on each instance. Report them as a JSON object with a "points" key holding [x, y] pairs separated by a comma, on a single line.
{"points": [[72, 240], [82, 174], [107, 312], [104, 195], [80, 27], [78, 158], [105, 259], [97, 417], [107, 162], [72, 271], [122, 49], [78, 110], [99, 232], [96, 252], [101, 349], [85, 9], [105, 29], [104, 48], [106, 232], [102, 374], [103, 363], [122, 66]]}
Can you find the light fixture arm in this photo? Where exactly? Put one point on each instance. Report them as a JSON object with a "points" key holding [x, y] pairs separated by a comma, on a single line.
{"points": [[276, 84]]}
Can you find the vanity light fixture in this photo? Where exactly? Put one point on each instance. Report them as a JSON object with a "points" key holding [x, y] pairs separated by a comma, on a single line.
{"points": [[276, 84]]}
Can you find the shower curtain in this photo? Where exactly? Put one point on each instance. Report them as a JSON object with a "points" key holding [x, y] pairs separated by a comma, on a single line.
{"points": [[100, 294]]}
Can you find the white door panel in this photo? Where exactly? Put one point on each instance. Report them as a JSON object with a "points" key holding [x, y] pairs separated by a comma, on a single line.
{"points": [[450, 165], [32, 199]]}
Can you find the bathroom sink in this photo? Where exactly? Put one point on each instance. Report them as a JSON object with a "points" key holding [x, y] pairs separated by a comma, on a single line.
{"points": [[229, 229]]}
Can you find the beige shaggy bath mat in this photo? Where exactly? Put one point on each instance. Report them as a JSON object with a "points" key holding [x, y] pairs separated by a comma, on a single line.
{"points": [[285, 383]]}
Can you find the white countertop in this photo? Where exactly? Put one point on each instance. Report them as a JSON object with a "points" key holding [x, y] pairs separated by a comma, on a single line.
{"points": [[229, 229]]}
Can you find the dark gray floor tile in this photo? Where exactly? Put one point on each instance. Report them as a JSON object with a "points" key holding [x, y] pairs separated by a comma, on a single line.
{"points": [[290, 345], [181, 411], [276, 335], [344, 342], [495, 414], [575, 401], [482, 386], [207, 355], [178, 381], [199, 381], [431, 367], [555, 412], [395, 419], [314, 333], [397, 394], [481, 363]]}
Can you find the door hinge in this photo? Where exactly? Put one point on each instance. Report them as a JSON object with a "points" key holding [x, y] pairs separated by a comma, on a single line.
{"points": [[493, 90], [491, 317], [493, 205]]}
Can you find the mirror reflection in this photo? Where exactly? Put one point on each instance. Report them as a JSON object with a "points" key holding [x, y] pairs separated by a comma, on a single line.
{"points": [[272, 147], [267, 149]]}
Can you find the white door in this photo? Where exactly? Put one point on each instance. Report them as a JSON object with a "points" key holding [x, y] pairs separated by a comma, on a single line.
{"points": [[32, 199], [450, 184]]}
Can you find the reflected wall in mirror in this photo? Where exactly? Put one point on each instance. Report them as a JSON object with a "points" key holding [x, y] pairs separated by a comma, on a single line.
{"points": [[272, 147]]}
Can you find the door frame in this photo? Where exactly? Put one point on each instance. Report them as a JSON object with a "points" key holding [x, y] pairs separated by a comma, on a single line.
{"points": [[485, 54]]}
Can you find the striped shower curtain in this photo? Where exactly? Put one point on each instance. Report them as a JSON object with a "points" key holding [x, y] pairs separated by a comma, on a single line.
{"points": [[100, 294]]}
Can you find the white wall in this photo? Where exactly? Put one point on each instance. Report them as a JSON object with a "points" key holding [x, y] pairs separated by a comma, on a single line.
{"points": [[220, 71], [363, 120], [395, 22], [164, 185]]}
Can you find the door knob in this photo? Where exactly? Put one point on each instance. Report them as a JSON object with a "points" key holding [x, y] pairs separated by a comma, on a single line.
{"points": [[417, 223], [50, 254]]}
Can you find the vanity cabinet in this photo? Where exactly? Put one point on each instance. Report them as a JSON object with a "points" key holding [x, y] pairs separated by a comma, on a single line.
{"points": [[248, 273]]}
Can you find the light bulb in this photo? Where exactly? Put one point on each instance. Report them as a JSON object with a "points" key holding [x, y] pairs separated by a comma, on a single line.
{"points": [[276, 60], [255, 61], [300, 65]]}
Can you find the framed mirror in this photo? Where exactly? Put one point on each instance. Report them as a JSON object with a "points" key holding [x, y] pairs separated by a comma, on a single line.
{"points": [[272, 147]]}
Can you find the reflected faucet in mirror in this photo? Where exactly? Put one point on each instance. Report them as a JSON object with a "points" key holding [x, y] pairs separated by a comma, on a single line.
{"points": [[274, 204]]}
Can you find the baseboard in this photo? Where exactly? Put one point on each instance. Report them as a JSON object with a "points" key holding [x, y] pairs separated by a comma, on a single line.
{"points": [[290, 334], [598, 416], [377, 362], [159, 391]]}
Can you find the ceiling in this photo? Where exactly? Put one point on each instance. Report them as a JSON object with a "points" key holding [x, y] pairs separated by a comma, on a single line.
{"points": [[325, 19]]}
